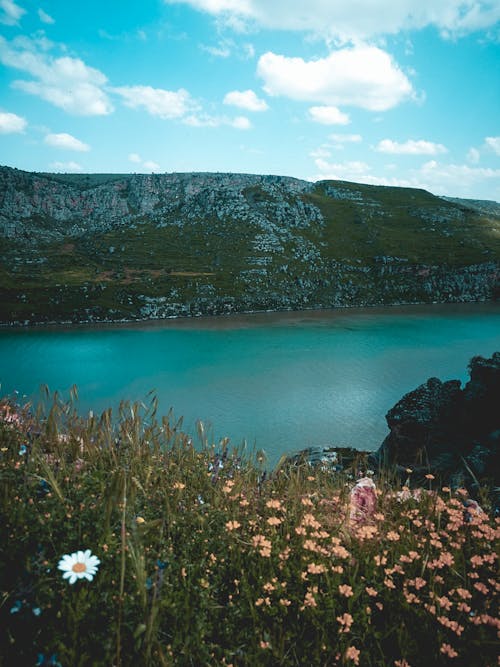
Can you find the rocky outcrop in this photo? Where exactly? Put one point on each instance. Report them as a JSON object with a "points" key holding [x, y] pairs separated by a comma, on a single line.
{"points": [[449, 432], [440, 429], [43, 207]]}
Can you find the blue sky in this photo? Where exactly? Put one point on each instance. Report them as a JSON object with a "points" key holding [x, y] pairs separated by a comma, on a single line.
{"points": [[394, 92]]}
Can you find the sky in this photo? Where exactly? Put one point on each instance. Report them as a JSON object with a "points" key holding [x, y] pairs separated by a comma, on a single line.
{"points": [[389, 92]]}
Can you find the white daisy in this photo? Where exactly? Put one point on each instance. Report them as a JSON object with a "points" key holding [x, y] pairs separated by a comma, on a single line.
{"points": [[79, 565]]}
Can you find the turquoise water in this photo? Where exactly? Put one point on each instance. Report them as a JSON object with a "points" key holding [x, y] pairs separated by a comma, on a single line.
{"points": [[279, 381]]}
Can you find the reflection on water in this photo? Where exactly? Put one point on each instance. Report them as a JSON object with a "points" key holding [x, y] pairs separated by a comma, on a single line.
{"points": [[281, 381]]}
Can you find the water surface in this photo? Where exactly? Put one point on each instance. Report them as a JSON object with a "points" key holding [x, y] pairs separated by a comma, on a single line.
{"points": [[279, 381]]}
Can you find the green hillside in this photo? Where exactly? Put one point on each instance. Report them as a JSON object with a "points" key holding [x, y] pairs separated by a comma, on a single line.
{"points": [[109, 245]]}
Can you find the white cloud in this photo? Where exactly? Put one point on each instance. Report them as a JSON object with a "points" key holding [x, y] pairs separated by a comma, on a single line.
{"points": [[321, 152], [473, 155], [245, 99], [248, 50], [354, 20], [362, 76], [349, 171], [459, 179], [228, 47], [493, 143], [11, 13], [205, 120], [202, 120], [66, 142], [45, 18], [66, 166], [165, 104], [11, 123], [439, 178], [151, 166], [346, 138], [328, 116], [223, 50], [241, 123], [67, 83], [148, 165], [358, 172], [410, 147]]}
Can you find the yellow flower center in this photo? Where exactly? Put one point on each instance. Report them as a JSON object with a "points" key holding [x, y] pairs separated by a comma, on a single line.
{"points": [[79, 567]]}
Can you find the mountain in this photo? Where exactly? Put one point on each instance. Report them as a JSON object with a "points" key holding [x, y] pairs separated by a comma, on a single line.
{"points": [[97, 247]]}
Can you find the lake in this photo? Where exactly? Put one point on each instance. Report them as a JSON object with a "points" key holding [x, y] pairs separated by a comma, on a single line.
{"points": [[279, 381]]}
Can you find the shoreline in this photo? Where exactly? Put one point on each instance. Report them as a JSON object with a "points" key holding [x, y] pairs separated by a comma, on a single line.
{"points": [[256, 319]]}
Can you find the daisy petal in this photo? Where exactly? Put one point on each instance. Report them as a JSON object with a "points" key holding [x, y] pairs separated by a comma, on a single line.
{"points": [[64, 566]]}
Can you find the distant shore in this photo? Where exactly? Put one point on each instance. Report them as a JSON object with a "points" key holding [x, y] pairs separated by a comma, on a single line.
{"points": [[256, 319]]}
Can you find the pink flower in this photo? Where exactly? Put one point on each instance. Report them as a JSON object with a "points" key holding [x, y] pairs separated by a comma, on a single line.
{"points": [[448, 650], [345, 621], [346, 590], [352, 653]]}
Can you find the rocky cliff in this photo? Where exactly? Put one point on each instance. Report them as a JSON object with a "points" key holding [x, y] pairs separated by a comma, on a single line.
{"points": [[114, 247]]}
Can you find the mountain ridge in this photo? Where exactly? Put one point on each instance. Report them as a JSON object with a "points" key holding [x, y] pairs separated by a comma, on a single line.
{"points": [[106, 247]]}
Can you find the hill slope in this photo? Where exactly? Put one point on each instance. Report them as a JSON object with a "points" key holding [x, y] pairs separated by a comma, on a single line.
{"points": [[109, 247]]}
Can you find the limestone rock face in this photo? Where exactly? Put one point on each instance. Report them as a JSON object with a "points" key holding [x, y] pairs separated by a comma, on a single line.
{"points": [[448, 431]]}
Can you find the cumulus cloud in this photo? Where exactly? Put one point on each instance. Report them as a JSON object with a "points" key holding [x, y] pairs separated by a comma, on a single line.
{"points": [[165, 104], [362, 19], [352, 170], [151, 166], [245, 99], [45, 18], [67, 83], [346, 138], [458, 180], [410, 147], [473, 155], [240, 123], [217, 51], [228, 47], [493, 143], [328, 116], [11, 123], [321, 152], [66, 166], [10, 13], [222, 50], [361, 76], [206, 120], [66, 142], [148, 165]]}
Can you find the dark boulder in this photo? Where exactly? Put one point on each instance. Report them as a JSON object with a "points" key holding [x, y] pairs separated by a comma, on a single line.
{"points": [[450, 432]]}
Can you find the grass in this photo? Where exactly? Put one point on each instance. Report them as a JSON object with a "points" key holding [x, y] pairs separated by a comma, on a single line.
{"points": [[393, 222], [207, 560]]}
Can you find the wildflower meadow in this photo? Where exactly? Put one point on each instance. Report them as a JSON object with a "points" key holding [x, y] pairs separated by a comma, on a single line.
{"points": [[125, 541]]}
